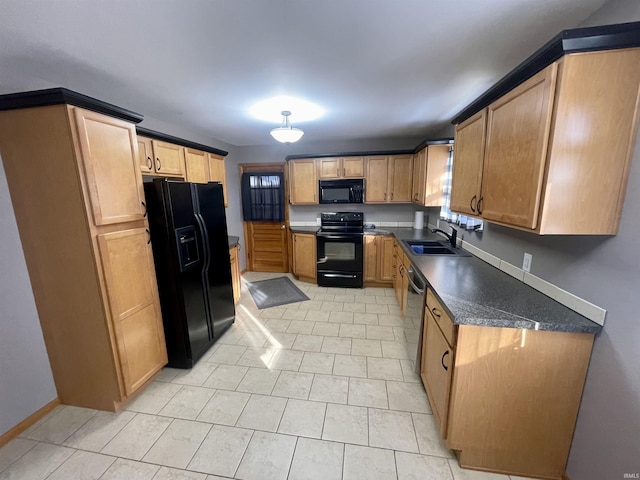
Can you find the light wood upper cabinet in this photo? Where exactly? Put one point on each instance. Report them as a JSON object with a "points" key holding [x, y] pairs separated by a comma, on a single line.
{"points": [[329, 168], [168, 158], [110, 152], [340, 167], [388, 179], [376, 179], [419, 176], [429, 175], [304, 255], [468, 157], [133, 300], [197, 166], [517, 134], [218, 173], [555, 155], [400, 178], [145, 156], [352, 167], [303, 182]]}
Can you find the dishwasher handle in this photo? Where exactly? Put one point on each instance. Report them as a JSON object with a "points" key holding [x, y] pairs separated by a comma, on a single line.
{"points": [[418, 290]]}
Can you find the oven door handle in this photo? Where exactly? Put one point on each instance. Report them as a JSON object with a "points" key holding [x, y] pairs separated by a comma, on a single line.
{"points": [[322, 260], [339, 275], [343, 236]]}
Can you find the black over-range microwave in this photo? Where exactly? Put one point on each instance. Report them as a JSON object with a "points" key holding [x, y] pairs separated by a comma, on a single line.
{"points": [[342, 191]]}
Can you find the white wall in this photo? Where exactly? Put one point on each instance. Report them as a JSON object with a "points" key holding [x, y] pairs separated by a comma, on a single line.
{"points": [[26, 382]]}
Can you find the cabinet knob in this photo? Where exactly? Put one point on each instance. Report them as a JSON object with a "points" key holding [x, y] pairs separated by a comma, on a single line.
{"points": [[436, 313], [145, 209], [479, 206], [149, 163], [148, 233], [158, 164], [471, 204]]}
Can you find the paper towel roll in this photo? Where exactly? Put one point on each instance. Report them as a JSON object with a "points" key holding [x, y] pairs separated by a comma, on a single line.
{"points": [[418, 222]]}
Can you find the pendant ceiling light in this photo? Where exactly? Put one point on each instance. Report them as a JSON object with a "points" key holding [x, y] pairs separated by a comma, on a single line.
{"points": [[285, 133]]}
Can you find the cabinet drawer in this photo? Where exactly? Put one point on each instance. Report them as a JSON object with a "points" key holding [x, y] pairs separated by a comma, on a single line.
{"points": [[442, 319]]}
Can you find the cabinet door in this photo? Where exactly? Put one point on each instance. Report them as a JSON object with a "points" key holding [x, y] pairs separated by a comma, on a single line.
{"points": [[468, 156], [329, 168], [376, 179], [436, 370], [419, 176], [197, 166], [370, 258], [145, 156], [406, 264], [385, 263], [514, 162], [169, 159], [399, 271], [436, 164], [218, 173], [304, 251], [130, 280], [400, 177], [303, 181], [235, 272], [109, 150], [353, 167]]}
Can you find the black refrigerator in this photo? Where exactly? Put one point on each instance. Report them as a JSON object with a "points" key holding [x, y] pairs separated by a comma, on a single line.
{"points": [[191, 255]]}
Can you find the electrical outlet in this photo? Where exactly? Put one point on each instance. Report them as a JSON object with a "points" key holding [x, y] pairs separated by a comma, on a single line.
{"points": [[317, 221], [526, 262]]}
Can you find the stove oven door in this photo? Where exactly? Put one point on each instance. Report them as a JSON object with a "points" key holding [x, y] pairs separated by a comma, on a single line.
{"points": [[339, 259]]}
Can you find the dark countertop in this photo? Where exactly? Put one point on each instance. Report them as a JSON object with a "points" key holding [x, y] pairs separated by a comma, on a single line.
{"points": [[233, 241], [476, 293]]}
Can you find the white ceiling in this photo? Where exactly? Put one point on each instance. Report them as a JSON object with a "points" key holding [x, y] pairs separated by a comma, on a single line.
{"points": [[379, 69]]}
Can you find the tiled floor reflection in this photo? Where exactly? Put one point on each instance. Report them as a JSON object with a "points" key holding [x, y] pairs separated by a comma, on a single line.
{"points": [[322, 389]]}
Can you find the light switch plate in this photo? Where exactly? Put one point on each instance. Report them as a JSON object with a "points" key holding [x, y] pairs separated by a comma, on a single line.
{"points": [[526, 262]]}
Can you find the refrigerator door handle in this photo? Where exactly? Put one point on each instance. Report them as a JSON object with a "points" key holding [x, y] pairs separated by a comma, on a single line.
{"points": [[205, 241]]}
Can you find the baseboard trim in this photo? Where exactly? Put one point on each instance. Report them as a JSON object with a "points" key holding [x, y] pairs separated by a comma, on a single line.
{"points": [[27, 422]]}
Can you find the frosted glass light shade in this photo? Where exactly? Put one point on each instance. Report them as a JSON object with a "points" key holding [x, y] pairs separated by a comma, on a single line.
{"points": [[287, 134]]}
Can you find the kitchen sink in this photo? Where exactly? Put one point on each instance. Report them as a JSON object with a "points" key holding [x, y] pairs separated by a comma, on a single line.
{"points": [[425, 247]]}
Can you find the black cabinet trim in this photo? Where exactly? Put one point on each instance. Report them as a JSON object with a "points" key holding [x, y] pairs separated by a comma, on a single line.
{"points": [[145, 132], [60, 96], [372, 153], [589, 39]]}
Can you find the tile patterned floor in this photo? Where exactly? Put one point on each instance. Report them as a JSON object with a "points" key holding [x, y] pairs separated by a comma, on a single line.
{"points": [[321, 389]]}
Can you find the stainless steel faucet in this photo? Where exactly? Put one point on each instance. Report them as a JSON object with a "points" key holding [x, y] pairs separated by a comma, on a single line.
{"points": [[452, 238]]}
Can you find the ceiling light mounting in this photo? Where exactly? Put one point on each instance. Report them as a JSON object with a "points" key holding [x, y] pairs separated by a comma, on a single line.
{"points": [[285, 133]]}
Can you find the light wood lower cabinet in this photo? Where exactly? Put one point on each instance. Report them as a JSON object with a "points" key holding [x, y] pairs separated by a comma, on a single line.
{"points": [[235, 271], [506, 399], [304, 256], [436, 370], [86, 248], [378, 259]]}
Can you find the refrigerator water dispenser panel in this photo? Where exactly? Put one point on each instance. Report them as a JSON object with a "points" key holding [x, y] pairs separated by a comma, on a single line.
{"points": [[187, 247]]}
